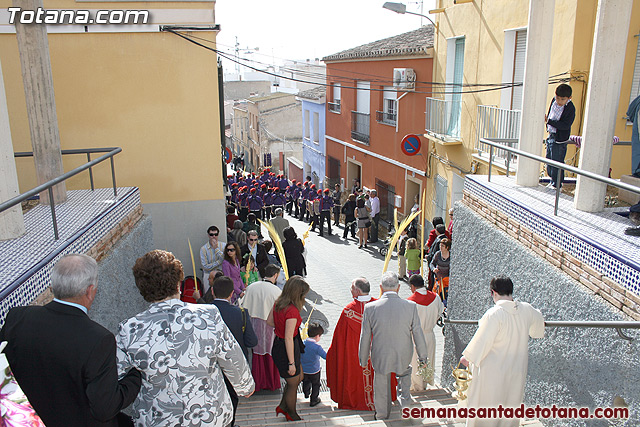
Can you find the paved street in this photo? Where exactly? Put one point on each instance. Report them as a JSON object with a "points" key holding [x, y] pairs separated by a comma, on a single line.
{"points": [[332, 263]]}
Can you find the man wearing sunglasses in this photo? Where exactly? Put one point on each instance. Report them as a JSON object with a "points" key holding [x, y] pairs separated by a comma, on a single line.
{"points": [[211, 256], [257, 252]]}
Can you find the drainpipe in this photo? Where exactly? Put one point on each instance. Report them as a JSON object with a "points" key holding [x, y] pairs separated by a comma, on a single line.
{"points": [[398, 112], [222, 135]]}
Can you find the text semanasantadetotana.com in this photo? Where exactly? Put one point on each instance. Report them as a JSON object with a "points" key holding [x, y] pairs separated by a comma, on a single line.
{"points": [[76, 16], [517, 412]]}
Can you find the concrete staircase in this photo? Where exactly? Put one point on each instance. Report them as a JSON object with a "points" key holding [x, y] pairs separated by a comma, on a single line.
{"points": [[259, 410]]}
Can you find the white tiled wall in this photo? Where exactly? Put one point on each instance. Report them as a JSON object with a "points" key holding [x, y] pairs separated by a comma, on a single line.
{"points": [[87, 216], [596, 239]]}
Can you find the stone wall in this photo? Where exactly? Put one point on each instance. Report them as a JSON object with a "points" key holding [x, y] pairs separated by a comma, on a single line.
{"points": [[116, 252], [118, 297], [569, 366], [599, 284]]}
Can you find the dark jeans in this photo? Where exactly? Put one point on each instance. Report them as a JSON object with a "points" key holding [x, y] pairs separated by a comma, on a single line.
{"points": [[311, 383], [234, 398], [349, 224], [325, 215], [374, 228], [242, 215], [336, 215], [303, 209], [555, 152]]}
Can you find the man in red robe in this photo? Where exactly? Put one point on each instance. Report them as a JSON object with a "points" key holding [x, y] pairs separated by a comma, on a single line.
{"points": [[351, 385]]}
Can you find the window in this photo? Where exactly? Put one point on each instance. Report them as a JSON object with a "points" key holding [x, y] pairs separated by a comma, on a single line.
{"points": [[440, 202], [513, 62], [360, 117], [334, 106], [316, 128], [306, 124], [389, 112], [454, 79]]}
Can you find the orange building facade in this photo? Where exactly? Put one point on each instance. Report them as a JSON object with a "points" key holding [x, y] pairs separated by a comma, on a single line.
{"points": [[369, 114]]}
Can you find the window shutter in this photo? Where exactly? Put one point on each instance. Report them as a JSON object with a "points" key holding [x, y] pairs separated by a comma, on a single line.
{"points": [[635, 83], [518, 69]]}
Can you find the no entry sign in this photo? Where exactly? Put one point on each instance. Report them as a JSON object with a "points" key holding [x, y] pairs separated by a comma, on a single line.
{"points": [[410, 145]]}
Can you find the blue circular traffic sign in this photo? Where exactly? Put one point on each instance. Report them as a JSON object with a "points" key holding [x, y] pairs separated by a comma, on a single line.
{"points": [[410, 145]]}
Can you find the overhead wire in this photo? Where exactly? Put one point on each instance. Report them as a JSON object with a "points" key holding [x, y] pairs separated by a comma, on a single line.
{"points": [[348, 79], [492, 86]]}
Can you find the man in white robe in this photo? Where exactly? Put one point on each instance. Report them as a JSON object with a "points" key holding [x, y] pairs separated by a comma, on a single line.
{"points": [[499, 353], [430, 307]]}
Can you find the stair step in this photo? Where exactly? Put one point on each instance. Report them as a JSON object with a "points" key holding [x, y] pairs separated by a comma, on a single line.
{"points": [[259, 410]]}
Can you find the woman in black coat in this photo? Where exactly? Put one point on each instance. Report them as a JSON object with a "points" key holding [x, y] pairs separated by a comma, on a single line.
{"points": [[349, 217], [293, 249]]}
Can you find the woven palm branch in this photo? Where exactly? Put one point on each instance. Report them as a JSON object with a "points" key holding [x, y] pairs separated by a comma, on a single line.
{"points": [[405, 223], [306, 233], [275, 238], [247, 271], [304, 334], [193, 263]]}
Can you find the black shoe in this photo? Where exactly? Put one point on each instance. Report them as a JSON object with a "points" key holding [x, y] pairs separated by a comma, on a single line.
{"points": [[365, 245], [315, 402], [307, 394], [636, 175], [632, 231]]}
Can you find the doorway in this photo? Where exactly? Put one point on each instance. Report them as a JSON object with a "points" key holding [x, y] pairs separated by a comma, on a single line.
{"points": [[412, 189], [354, 171]]}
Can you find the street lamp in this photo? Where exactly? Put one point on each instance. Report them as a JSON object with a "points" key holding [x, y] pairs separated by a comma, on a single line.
{"points": [[401, 8]]}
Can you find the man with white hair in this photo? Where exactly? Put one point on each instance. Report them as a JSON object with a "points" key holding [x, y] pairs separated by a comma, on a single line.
{"points": [[279, 223], [64, 361], [390, 327]]}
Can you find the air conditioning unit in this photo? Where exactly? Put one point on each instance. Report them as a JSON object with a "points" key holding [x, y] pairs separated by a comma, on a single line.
{"points": [[404, 78]]}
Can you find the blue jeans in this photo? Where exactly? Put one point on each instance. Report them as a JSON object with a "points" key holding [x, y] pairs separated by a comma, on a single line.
{"points": [[555, 152]]}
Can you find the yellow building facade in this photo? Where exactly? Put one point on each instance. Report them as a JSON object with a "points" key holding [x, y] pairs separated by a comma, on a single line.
{"points": [[146, 90], [491, 36]]}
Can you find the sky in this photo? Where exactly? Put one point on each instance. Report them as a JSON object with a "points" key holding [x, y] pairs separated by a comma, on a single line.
{"points": [[304, 29]]}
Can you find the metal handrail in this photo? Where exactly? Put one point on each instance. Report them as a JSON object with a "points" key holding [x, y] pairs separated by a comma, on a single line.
{"points": [[617, 325], [559, 165], [49, 184]]}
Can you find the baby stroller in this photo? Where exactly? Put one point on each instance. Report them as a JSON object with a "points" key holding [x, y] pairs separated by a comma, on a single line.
{"points": [[384, 249]]}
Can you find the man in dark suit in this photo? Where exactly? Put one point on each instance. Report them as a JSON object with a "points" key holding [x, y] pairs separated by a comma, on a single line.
{"points": [[63, 361], [238, 321], [256, 250]]}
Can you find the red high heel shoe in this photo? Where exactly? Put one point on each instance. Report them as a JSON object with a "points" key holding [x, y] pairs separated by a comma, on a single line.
{"points": [[279, 410]]}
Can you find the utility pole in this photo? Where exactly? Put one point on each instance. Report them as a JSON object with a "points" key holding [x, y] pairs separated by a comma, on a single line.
{"points": [[238, 57], [11, 220], [37, 77]]}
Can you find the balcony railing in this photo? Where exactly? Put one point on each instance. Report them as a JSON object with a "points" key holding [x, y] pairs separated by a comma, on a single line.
{"points": [[334, 106], [360, 126], [386, 118], [499, 125], [442, 118]]}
